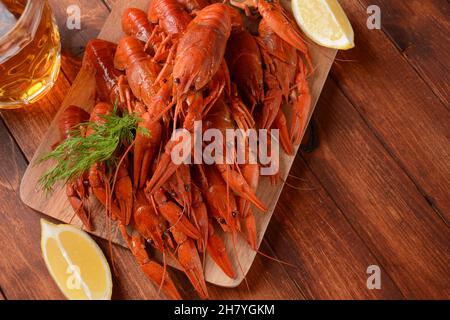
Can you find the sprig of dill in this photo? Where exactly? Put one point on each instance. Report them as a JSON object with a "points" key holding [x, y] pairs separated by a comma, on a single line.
{"points": [[78, 153]]}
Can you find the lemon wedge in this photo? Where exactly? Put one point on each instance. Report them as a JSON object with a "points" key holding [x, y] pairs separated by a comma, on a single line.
{"points": [[75, 262], [324, 22]]}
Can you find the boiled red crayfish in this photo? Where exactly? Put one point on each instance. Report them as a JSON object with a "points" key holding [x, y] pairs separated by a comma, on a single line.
{"points": [[182, 62]]}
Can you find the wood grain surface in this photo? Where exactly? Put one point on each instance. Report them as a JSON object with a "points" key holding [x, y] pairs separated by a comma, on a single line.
{"points": [[421, 31], [400, 108], [380, 201], [375, 191]]}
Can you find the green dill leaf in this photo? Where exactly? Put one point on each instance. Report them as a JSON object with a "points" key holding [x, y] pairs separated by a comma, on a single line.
{"points": [[144, 131], [78, 153]]}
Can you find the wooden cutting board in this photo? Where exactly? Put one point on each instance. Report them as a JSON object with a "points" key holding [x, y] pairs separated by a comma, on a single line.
{"points": [[82, 94]]}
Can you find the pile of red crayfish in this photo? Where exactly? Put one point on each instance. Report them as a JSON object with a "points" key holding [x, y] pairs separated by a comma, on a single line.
{"points": [[185, 61]]}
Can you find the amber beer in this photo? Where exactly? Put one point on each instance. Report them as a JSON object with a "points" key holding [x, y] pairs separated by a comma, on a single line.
{"points": [[29, 51]]}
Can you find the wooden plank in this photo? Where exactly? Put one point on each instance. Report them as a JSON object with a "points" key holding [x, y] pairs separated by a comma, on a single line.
{"points": [[380, 201], [70, 66], [310, 232], [109, 3], [404, 114], [421, 31], [29, 124], [23, 270], [93, 14]]}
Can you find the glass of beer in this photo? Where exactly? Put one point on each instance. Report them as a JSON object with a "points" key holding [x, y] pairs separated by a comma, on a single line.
{"points": [[29, 51]]}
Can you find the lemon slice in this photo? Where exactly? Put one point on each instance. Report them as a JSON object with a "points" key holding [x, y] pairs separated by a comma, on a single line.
{"points": [[325, 22], [75, 262]]}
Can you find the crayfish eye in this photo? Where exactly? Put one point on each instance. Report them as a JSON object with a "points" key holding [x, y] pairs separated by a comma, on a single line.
{"points": [[176, 80], [187, 188], [192, 88], [222, 221], [234, 214]]}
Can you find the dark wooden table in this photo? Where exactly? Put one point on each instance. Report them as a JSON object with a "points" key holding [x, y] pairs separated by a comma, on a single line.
{"points": [[375, 192]]}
